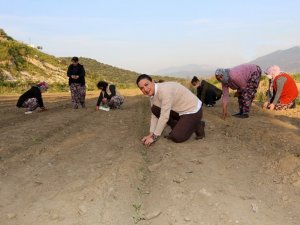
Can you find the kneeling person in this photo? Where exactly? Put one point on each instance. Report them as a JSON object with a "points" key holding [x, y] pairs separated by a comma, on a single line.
{"points": [[109, 96], [285, 90], [174, 105], [32, 98], [206, 92]]}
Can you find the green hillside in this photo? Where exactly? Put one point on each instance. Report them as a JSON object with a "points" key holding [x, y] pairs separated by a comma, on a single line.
{"points": [[22, 65]]}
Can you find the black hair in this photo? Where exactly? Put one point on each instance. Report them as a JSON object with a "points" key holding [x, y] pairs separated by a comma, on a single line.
{"points": [[75, 59], [102, 85], [143, 76], [195, 79]]}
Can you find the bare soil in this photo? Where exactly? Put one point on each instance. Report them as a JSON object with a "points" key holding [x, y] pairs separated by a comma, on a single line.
{"points": [[83, 167]]}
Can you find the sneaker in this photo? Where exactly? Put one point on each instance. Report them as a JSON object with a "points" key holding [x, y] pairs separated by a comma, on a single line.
{"points": [[28, 112], [210, 105], [200, 133]]}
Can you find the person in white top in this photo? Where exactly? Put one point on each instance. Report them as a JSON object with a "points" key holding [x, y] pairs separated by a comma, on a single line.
{"points": [[174, 105]]}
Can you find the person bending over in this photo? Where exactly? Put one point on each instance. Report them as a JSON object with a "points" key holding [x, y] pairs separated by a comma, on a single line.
{"points": [[109, 96], [206, 92], [243, 78], [32, 98]]}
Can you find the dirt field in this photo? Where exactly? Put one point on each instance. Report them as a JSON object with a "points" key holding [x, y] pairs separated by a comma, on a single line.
{"points": [[82, 167]]}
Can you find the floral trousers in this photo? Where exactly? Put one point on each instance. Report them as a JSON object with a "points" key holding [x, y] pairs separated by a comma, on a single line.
{"points": [[78, 93]]}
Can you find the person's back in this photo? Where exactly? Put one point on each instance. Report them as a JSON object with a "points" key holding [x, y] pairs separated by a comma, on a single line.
{"points": [[289, 91], [33, 92], [176, 96], [207, 92]]}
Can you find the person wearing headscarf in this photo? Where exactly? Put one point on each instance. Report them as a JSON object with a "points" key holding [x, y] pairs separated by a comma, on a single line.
{"points": [[245, 80], [109, 96], [285, 90], [32, 98], [206, 92], [76, 74], [174, 105]]}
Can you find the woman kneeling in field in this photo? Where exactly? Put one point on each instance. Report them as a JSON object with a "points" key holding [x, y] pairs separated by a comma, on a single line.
{"points": [[172, 104], [32, 98], [109, 96], [285, 90]]}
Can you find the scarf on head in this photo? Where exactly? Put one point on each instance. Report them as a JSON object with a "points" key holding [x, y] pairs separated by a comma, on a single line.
{"points": [[272, 71], [224, 73], [43, 86]]}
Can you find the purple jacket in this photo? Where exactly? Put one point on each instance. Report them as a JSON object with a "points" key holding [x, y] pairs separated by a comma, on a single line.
{"points": [[238, 77]]}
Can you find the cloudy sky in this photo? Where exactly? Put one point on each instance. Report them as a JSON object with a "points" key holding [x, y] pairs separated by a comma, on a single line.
{"points": [[148, 35]]}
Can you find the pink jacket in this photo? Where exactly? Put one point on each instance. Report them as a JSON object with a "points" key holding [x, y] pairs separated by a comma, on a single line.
{"points": [[238, 77]]}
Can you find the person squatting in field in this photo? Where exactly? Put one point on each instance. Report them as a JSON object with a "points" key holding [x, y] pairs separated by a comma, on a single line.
{"points": [[284, 88], [174, 105], [243, 78], [206, 92], [32, 98], [109, 96]]}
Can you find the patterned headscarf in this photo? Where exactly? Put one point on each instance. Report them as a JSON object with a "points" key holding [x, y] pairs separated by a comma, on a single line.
{"points": [[224, 73], [43, 86], [272, 71]]}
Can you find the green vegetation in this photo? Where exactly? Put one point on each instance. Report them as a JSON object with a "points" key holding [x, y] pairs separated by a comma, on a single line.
{"points": [[22, 66]]}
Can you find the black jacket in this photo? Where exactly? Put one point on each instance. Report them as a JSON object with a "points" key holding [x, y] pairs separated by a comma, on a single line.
{"points": [[206, 88], [33, 92], [76, 70], [104, 94]]}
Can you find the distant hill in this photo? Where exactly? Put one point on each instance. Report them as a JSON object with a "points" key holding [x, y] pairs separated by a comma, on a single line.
{"points": [[22, 65], [188, 71], [288, 60]]}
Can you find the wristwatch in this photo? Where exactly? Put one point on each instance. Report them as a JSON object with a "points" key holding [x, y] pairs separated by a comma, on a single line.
{"points": [[154, 137]]}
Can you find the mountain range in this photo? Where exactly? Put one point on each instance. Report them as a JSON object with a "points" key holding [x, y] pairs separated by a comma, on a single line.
{"points": [[288, 60], [22, 65]]}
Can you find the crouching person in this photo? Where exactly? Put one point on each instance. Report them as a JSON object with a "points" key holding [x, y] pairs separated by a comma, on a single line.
{"points": [[32, 98], [174, 105], [285, 90], [109, 96]]}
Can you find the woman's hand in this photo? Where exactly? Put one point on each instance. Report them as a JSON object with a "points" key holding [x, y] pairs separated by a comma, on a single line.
{"points": [[97, 108], [43, 109], [271, 106], [266, 104], [148, 140], [75, 77]]}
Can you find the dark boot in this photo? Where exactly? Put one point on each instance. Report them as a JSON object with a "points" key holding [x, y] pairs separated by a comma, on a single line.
{"points": [[239, 113], [200, 133]]}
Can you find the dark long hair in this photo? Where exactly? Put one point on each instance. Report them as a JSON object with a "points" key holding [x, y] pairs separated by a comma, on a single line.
{"points": [[102, 85], [143, 76]]}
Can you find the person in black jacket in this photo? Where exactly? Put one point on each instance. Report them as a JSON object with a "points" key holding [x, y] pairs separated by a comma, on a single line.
{"points": [[76, 74], [108, 96], [206, 92], [32, 98]]}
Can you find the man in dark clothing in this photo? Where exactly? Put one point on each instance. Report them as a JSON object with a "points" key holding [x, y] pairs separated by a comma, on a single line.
{"points": [[32, 98], [76, 74], [206, 92]]}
